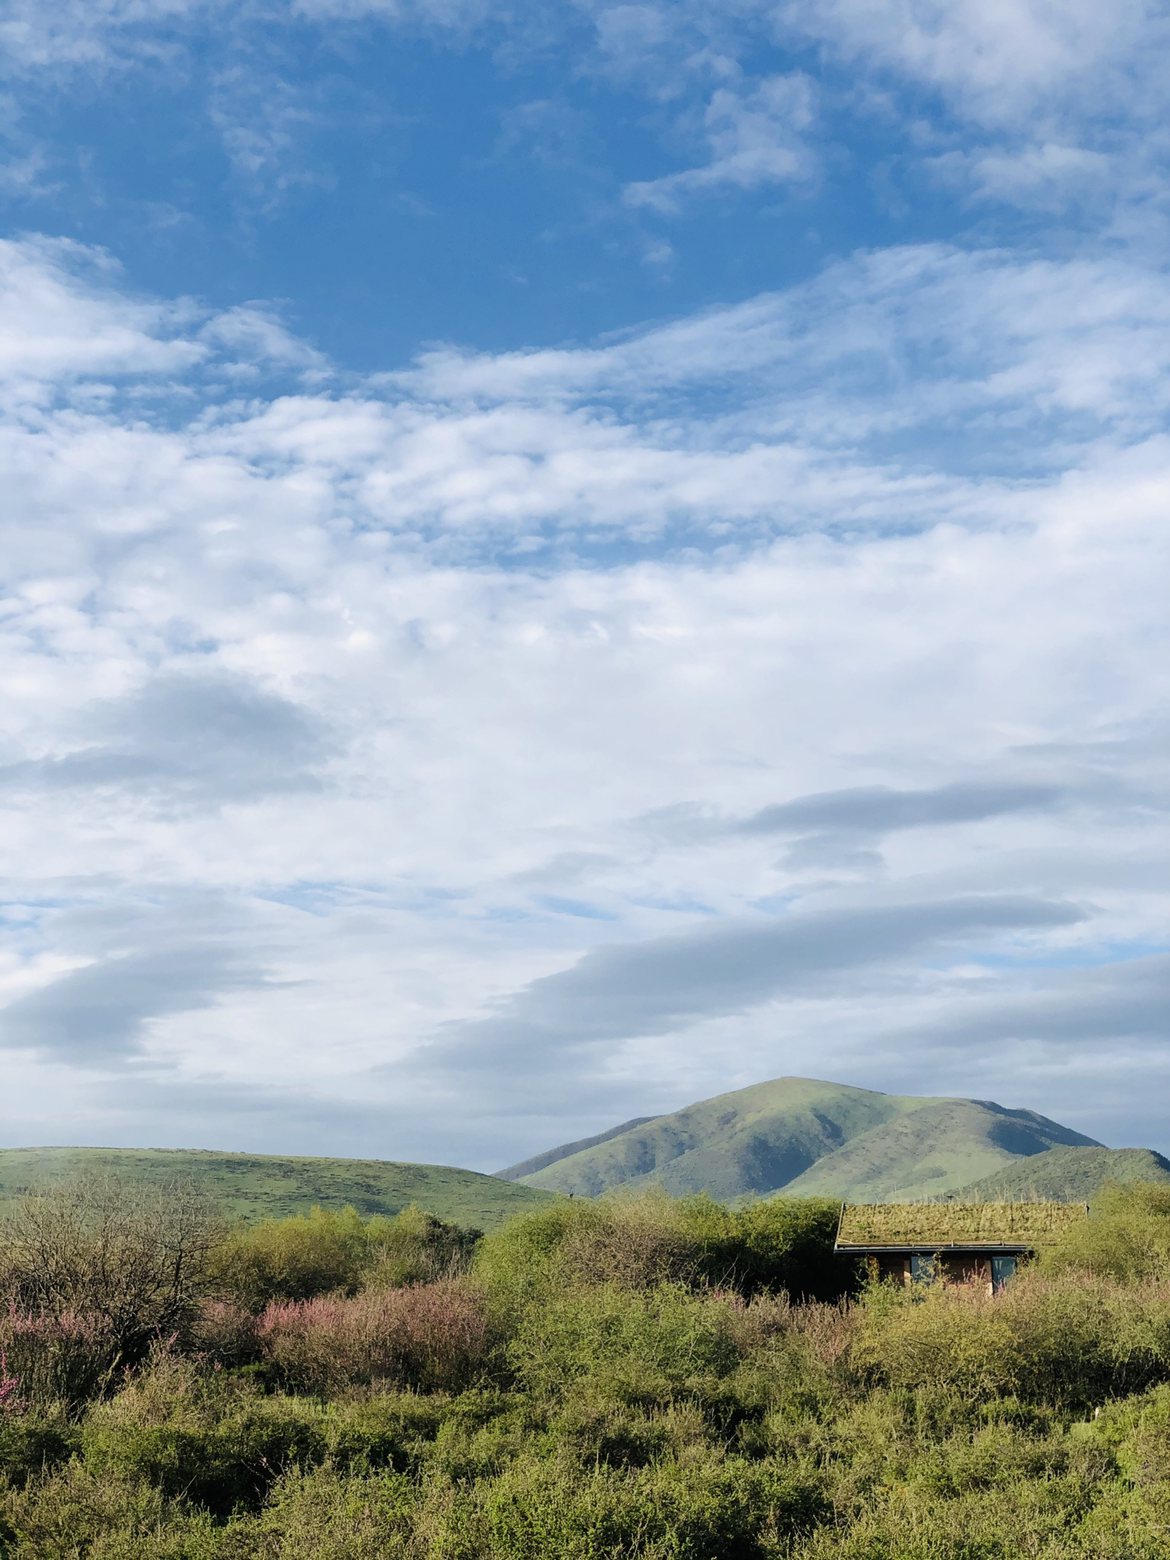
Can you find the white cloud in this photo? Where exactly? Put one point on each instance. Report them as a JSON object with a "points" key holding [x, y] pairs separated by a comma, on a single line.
{"points": [[756, 137], [998, 61], [295, 735]]}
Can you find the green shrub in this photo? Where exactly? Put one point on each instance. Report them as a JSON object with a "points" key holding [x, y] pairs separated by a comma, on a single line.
{"points": [[712, 1510], [392, 1431], [645, 1345], [29, 1448], [75, 1515], [319, 1514], [641, 1240], [336, 1253], [1075, 1341], [1126, 1236]]}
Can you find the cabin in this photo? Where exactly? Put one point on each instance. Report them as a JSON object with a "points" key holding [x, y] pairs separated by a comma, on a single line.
{"points": [[972, 1243]]}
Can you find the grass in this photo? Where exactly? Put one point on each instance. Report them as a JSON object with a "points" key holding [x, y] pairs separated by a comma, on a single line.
{"points": [[250, 1187], [954, 1224]]}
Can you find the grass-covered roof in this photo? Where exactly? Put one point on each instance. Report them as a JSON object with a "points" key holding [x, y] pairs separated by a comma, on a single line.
{"points": [[956, 1224]]}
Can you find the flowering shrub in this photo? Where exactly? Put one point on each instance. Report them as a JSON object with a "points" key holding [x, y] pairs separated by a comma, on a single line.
{"points": [[63, 1358], [429, 1336]]}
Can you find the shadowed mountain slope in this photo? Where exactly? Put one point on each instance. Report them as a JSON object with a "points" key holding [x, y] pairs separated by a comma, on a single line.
{"points": [[1068, 1174], [807, 1137]]}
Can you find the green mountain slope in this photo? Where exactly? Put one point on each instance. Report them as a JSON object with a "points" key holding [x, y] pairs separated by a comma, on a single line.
{"points": [[935, 1150], [1067, 1175], [260, 1186], [551, 1155], [808, 1137]]}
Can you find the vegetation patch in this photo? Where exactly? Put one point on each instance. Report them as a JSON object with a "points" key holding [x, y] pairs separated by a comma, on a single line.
{"points": [[636, 1378]]}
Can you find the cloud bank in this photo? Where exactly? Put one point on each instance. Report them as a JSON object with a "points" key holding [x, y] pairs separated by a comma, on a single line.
{"points": [[517, 740]]}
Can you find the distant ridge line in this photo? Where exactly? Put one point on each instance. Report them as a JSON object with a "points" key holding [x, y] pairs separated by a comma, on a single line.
{"points": [[551, 1155]]}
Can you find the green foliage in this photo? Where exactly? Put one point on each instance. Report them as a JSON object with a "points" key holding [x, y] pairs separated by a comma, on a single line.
{"points": [[1126, 1236], [1074, 1342], [648, 1238], [645, 1346], [623, 1381], [336, 1251]]}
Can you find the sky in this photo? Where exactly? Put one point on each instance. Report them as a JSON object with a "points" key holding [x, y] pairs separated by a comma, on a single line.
{"points": [[562, 559]]}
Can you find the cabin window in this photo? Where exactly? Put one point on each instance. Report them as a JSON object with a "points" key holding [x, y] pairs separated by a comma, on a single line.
{"points": [[921, 1268], [1002, 1268]]}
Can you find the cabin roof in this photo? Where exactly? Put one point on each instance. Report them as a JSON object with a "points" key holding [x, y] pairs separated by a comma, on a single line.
{"points": [[1019, 1226]]}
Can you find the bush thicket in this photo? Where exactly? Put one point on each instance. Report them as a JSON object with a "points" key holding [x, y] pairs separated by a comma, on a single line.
{"points": [[629, 1379]]}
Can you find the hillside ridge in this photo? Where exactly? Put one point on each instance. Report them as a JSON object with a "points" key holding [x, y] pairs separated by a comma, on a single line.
{"points": [[1068, 1174], [810, 1137], [248, 1187], [552, 1155]]}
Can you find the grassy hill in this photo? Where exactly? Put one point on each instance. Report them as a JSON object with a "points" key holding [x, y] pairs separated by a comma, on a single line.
{"points": [[259, 1186], [806, 1137], [1068, 1174]]}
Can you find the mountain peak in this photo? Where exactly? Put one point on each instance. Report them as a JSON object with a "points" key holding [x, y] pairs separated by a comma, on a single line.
{"points": [[804, 1136]]}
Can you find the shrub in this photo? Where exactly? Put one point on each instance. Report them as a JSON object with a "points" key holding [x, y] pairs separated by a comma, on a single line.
{"points": [[393, 1430], [74, 1514], [713, 1510], [291, 1259], [431, 1337], [642, 1240], [30, 1448], [220, 1466], [327, 1252], [1125, 1237], [646, 1346], [225, 1333], [786, 1244], [1075, 1341], [129, 1259], [320, 1515], [58, 1358]]}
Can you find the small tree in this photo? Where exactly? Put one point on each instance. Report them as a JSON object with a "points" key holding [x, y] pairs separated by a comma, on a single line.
{"points": [[134, 1258]]}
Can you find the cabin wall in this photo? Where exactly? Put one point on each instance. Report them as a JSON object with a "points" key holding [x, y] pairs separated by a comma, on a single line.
{"points": [[948, 1267]]}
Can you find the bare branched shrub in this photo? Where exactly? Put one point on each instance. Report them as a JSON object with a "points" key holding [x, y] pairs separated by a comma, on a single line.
{"points": [[123, 1263]]}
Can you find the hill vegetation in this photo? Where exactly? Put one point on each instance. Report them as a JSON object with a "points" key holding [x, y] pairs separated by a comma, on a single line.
{"points": [[248, 1187], [807, 1138], [632, 1378], [1068, 1174]]}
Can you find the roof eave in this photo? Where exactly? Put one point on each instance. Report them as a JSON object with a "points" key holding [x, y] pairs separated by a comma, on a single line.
{"points": [[931, 1247]]}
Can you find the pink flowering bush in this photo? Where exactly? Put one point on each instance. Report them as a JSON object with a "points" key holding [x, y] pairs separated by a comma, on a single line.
{"points": [[428, 1336], [63, 1358]]}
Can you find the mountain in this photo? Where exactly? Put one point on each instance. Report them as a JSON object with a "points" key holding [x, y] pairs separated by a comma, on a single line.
{"points": [[1067, 1175], [551, 1155], [806, 1137], [261, 1186]]}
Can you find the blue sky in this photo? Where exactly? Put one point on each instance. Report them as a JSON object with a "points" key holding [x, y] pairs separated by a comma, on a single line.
{"points": [[562, 559]]}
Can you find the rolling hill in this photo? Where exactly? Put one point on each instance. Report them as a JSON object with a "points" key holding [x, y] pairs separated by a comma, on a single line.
{"points": [[807, 1137], [1067, 1175], [248, 1187]]}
